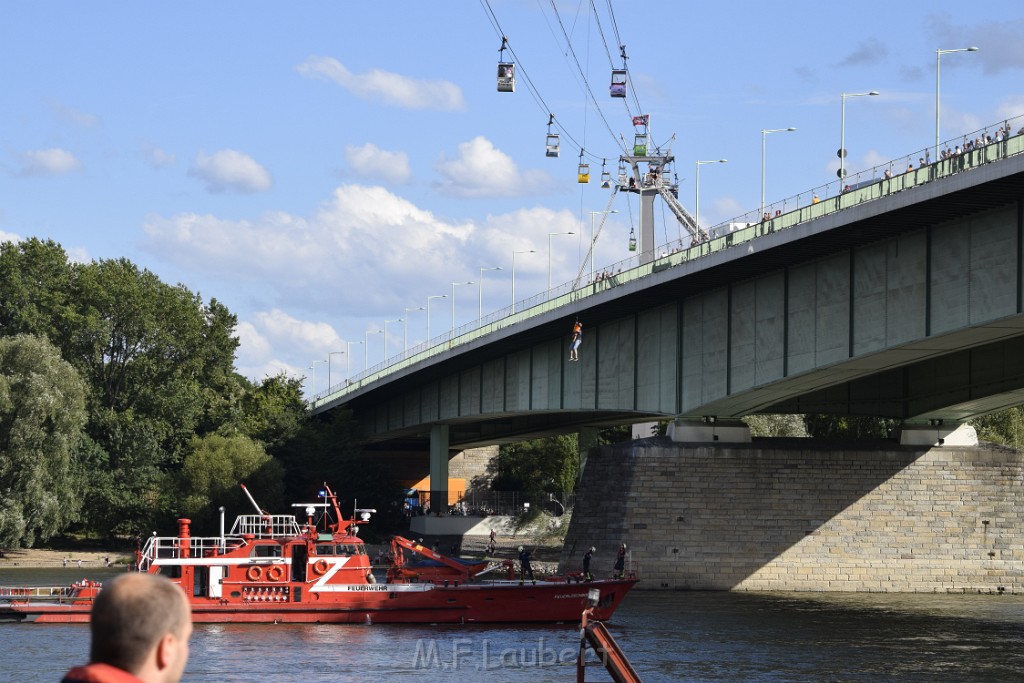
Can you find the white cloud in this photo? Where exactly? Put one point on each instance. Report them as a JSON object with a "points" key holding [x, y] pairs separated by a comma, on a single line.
{"points": [[9, 237], [275, 329], [481, 170], [1010, 107], [370, 161], [386, 87], [48, 162], [230, 170], [74, 116], [156, 157]]}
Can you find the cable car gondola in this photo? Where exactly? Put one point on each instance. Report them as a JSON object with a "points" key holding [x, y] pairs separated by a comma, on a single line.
{"points": [[632, 240], [552, 146], [606, 177], [618, 87], [640, 145], [506, 70], [583, 172]]}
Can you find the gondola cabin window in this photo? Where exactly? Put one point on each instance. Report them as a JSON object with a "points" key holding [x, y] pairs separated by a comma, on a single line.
{"points": [[506, 77], [552, 145], [640, 145], [618, 87]]}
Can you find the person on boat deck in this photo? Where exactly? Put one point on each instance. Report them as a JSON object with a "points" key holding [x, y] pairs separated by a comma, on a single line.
{"points": [[140, 626], [620, 561], [524, 565], [587, 576]]}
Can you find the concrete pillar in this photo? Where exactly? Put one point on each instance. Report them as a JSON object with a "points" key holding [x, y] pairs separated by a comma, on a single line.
{"points": [[588, 440], [709, 429], [438, 468], [937, 433]]}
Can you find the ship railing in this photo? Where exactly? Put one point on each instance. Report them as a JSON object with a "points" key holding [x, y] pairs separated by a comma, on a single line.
{"points": [[8, 593], [175, 548], [266, 526]]}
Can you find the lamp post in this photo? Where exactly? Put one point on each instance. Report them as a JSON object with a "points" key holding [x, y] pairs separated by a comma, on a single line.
{"points": [[480, 292], [313, 368], [696, 190], [333, 353], [433, 296], [348, 359], [938, 55], [405, 327], [524, 251], [593, 240], [550, 235], [842, 131], [366, 347], [396, 320], [454, 285], [764, 134]]}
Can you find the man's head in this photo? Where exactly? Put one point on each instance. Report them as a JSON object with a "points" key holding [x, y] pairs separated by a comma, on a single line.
{"points": [[141, 623]]}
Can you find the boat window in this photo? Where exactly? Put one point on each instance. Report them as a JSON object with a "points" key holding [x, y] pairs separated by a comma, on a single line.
{"points": [[171, 571], [265, 551], [343, 549], [325, 550]]}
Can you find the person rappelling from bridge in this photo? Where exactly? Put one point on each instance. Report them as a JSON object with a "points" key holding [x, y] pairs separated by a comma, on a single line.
{"points": [[577, 339]]}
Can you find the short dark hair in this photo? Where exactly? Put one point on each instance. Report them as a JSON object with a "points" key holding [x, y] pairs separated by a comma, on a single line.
{"points": [[130, 616]]}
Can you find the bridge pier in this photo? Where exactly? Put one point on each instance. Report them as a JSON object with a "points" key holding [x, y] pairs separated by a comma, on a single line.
{"points": [[689, 430], [588, 440], [936, 433], [439, 468]]}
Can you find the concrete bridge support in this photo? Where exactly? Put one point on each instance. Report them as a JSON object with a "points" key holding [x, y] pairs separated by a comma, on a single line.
{"points": [[439, 468], [805, 515]]}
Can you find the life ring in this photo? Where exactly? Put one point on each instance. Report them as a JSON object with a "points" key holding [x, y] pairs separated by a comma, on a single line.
{"points": [[254, 573], [320, 567], [275, 573]]}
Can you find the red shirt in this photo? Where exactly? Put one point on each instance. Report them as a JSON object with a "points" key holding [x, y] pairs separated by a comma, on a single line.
{"points": [[99, 673]]}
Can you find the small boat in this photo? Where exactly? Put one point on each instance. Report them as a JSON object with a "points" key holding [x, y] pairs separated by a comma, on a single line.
{"points": [[274, 569]]}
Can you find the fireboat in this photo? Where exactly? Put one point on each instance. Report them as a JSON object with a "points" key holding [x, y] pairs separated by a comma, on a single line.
{"points": [[272, 569]]}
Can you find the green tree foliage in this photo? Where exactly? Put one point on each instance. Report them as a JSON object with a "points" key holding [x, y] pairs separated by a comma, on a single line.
{"points": [[849, 426], [548, 465], [776, 425], [35, 285], [42, 413], [1004, 427], [212, 473], [273, 411]]}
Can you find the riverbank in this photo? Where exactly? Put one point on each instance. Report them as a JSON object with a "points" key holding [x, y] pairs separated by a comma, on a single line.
{"points": [[38, 558]]}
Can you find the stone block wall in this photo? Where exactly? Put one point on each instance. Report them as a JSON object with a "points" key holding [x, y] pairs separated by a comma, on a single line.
{"points": [[803, 515], [473, 465]]}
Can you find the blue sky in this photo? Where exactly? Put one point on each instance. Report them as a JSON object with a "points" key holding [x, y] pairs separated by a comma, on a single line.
{"points": [[320, 167]]}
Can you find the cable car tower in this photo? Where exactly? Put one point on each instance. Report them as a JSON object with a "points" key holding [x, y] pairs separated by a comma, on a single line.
{"points": [[650, 175]]}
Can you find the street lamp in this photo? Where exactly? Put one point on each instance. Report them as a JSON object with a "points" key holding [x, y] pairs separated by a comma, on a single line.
{"points": [[333, 353], [696, 191], [764, 134], [348, 359], [313, 368], [396, 320], [550, 235], [405, 327], [593, 240], [433, 296], [524, 251], [454, 285], [366, 347], [938, 55], [480, 293], [842, 132]]}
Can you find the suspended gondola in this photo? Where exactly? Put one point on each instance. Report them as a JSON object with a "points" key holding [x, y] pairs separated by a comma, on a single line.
{"points": [[506, 70], [640, 145], [632, 240], [606, 177], [618, 87], [583, 171], [552, 145]]}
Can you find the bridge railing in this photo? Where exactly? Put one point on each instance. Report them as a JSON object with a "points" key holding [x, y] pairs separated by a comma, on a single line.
{"points": [[968, 151]]}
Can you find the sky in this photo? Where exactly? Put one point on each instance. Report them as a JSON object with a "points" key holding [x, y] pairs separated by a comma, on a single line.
{"points": [[321, 167]]}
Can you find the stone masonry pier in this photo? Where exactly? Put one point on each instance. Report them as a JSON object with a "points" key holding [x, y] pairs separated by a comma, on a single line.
{"points": [[805, 515]]}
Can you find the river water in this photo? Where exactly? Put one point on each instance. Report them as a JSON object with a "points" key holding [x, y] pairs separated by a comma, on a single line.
{"points": [[667, 636]]}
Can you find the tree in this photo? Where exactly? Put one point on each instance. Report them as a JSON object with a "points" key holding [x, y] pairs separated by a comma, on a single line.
{"points": [[549, 465], [213, 470], [776, 425], [849, 426], [1004, 427], [35, 279], [273, 411], [42, 413]]}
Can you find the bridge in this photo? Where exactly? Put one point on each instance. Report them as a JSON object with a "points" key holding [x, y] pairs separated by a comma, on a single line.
{"points": [[898, 296]]}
